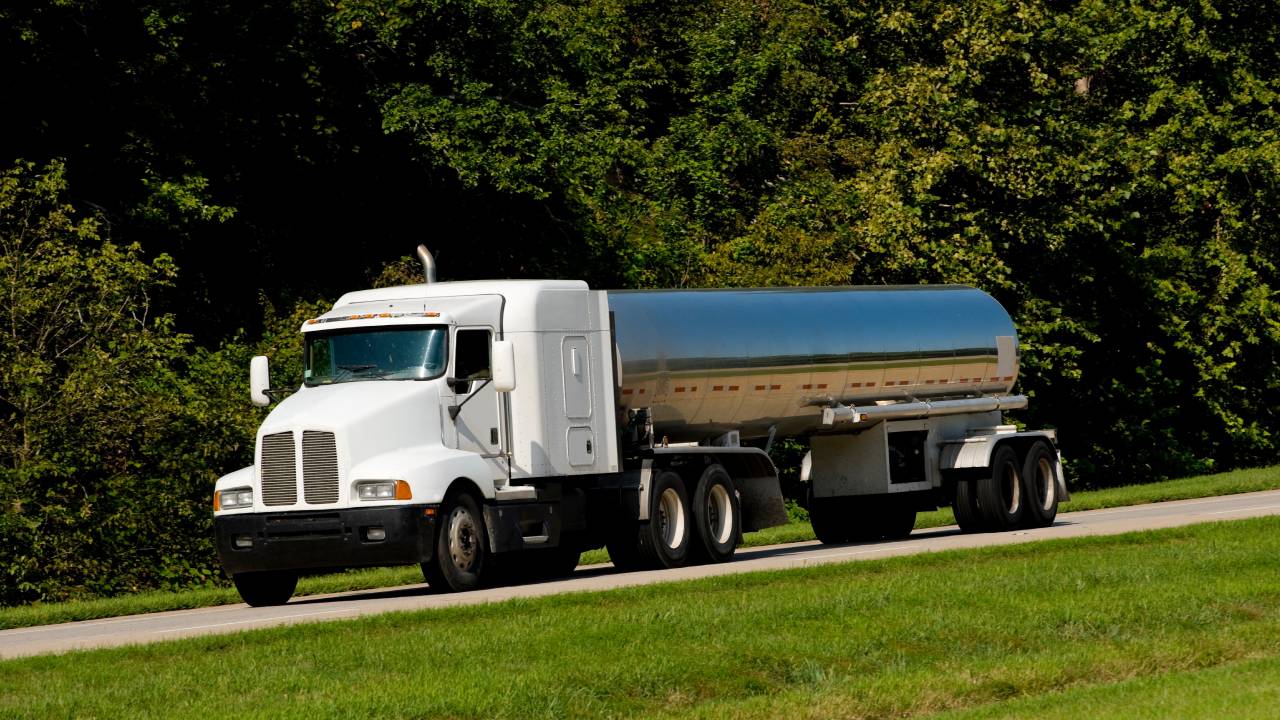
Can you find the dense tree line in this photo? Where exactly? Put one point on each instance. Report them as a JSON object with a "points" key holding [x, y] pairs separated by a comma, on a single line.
{"points": [[187, 180]]}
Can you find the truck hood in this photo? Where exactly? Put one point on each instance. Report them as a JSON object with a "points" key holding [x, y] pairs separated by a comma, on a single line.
{"points": [[366, 419]]}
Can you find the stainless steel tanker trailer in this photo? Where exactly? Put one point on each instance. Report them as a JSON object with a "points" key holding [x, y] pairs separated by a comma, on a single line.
{"points": [[491, 431]]}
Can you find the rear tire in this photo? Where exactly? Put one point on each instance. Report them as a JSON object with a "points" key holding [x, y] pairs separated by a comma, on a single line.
{"points": [[965, 507], [1040, 485], [1000, 493], [717, 517], [461, 549], [263, 589], [663, 541], [830, 521], [896, 522]]}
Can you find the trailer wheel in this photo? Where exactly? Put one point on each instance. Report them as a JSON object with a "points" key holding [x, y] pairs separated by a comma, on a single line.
{"points": [[1040, 485], [830, 521], [1000, 493], [965, 507], [462, 547], [261, 589], [717, 516], [895, 522], [664, 540]]}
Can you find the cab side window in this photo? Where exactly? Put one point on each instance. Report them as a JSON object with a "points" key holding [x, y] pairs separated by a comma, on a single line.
{"points": [[471, 355]]}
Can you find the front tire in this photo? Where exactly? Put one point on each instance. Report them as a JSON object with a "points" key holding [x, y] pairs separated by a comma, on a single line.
{"points": [[263, 589], [462, 547]]}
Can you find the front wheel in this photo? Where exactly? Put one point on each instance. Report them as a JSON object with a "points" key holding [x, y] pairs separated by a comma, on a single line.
{"points": [[262, 589], [462, 547]]}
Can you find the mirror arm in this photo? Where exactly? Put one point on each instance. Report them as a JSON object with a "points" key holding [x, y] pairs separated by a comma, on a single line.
{"points": [[455, 409]]}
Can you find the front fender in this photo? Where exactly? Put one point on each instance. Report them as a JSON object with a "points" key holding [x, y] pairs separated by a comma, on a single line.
{"points": [[429, 471]]}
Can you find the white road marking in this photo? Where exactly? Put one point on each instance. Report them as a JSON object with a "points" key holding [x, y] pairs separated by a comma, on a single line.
{"points": [[255, 620], [1243, 509]]}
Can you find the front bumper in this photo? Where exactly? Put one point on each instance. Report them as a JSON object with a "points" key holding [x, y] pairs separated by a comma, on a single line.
{"points": [[316, 541]]}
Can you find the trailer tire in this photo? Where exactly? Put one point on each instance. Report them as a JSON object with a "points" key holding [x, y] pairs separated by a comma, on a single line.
{"points": [[1000, 501], [895, 522], [1040, 485], [462, 547], [663, 541], [965, 507], [830, 521], [717, 516], [262, 589]]}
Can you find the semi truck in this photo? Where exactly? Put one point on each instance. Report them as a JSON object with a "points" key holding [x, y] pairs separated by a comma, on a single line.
{"points": [[492, 431]]}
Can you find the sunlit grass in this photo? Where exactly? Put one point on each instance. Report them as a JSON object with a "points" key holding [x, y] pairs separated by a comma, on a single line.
{"points": [[899, 637]]}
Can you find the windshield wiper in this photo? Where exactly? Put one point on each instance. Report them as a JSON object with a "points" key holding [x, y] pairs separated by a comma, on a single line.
{"points": [[358, 368]]}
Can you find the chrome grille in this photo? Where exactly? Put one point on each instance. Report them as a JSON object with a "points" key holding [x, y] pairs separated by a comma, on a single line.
{"points": [[279, 470], [319, 467]]}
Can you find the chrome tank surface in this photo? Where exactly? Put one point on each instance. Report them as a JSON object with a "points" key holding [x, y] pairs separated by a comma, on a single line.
{"points": [[709, 361]]}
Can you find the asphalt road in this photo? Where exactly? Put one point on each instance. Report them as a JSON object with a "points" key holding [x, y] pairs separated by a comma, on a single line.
{"points": [[156, 627]]}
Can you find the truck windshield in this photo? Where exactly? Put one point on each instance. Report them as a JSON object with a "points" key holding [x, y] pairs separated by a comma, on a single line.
{"points": [[387, 353]]}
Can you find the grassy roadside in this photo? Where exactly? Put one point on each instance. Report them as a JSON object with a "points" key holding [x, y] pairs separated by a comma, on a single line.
{"points": [[1249, 689], [1238, 481], [903, 636]]}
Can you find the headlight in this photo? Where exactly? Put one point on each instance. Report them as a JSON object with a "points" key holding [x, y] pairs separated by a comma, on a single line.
{"points": [[383, 490], [236, 498]]}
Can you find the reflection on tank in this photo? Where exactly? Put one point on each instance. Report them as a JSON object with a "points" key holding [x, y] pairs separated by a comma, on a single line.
{"points": [[708, 361]]}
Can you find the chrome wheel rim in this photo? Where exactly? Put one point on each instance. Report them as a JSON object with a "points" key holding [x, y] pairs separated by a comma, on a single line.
{"points": [[719, 514], [671, 518], [464, 545], [1045, 484]]}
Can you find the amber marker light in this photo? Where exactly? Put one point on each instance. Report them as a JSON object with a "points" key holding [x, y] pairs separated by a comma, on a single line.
{"points": [[217, 501], [402, 491]]}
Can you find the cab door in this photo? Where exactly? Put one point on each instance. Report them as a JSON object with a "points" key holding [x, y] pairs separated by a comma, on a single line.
{"points": [[479, 420]]}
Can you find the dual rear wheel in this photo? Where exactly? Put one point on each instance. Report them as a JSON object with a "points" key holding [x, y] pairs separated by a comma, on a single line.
{"points": [[683, 527], [1019, 492]]}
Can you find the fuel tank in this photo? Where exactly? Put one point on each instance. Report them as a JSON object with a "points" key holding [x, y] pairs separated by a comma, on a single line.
{"points": [[705, 362]]}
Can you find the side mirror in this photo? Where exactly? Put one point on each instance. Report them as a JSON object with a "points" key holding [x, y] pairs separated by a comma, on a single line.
{"points": [[504, 366], [259, 381]]}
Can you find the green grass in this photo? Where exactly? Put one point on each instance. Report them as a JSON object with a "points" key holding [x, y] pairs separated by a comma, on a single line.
{"points": [[46, 613], [972, 629], [1249, 689]]}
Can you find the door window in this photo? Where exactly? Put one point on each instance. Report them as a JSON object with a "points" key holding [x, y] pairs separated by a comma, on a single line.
{"points": [[471, 358]]}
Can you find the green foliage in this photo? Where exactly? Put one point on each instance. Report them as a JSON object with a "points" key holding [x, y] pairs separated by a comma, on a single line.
{"points": [[1109, 172], [113, 426]]}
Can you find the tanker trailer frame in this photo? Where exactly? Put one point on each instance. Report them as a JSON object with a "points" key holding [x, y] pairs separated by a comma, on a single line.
{"points": [[491, 431]]}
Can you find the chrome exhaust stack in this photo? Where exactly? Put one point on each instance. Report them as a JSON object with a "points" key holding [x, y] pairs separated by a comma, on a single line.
{"points": [[428, 264]]}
